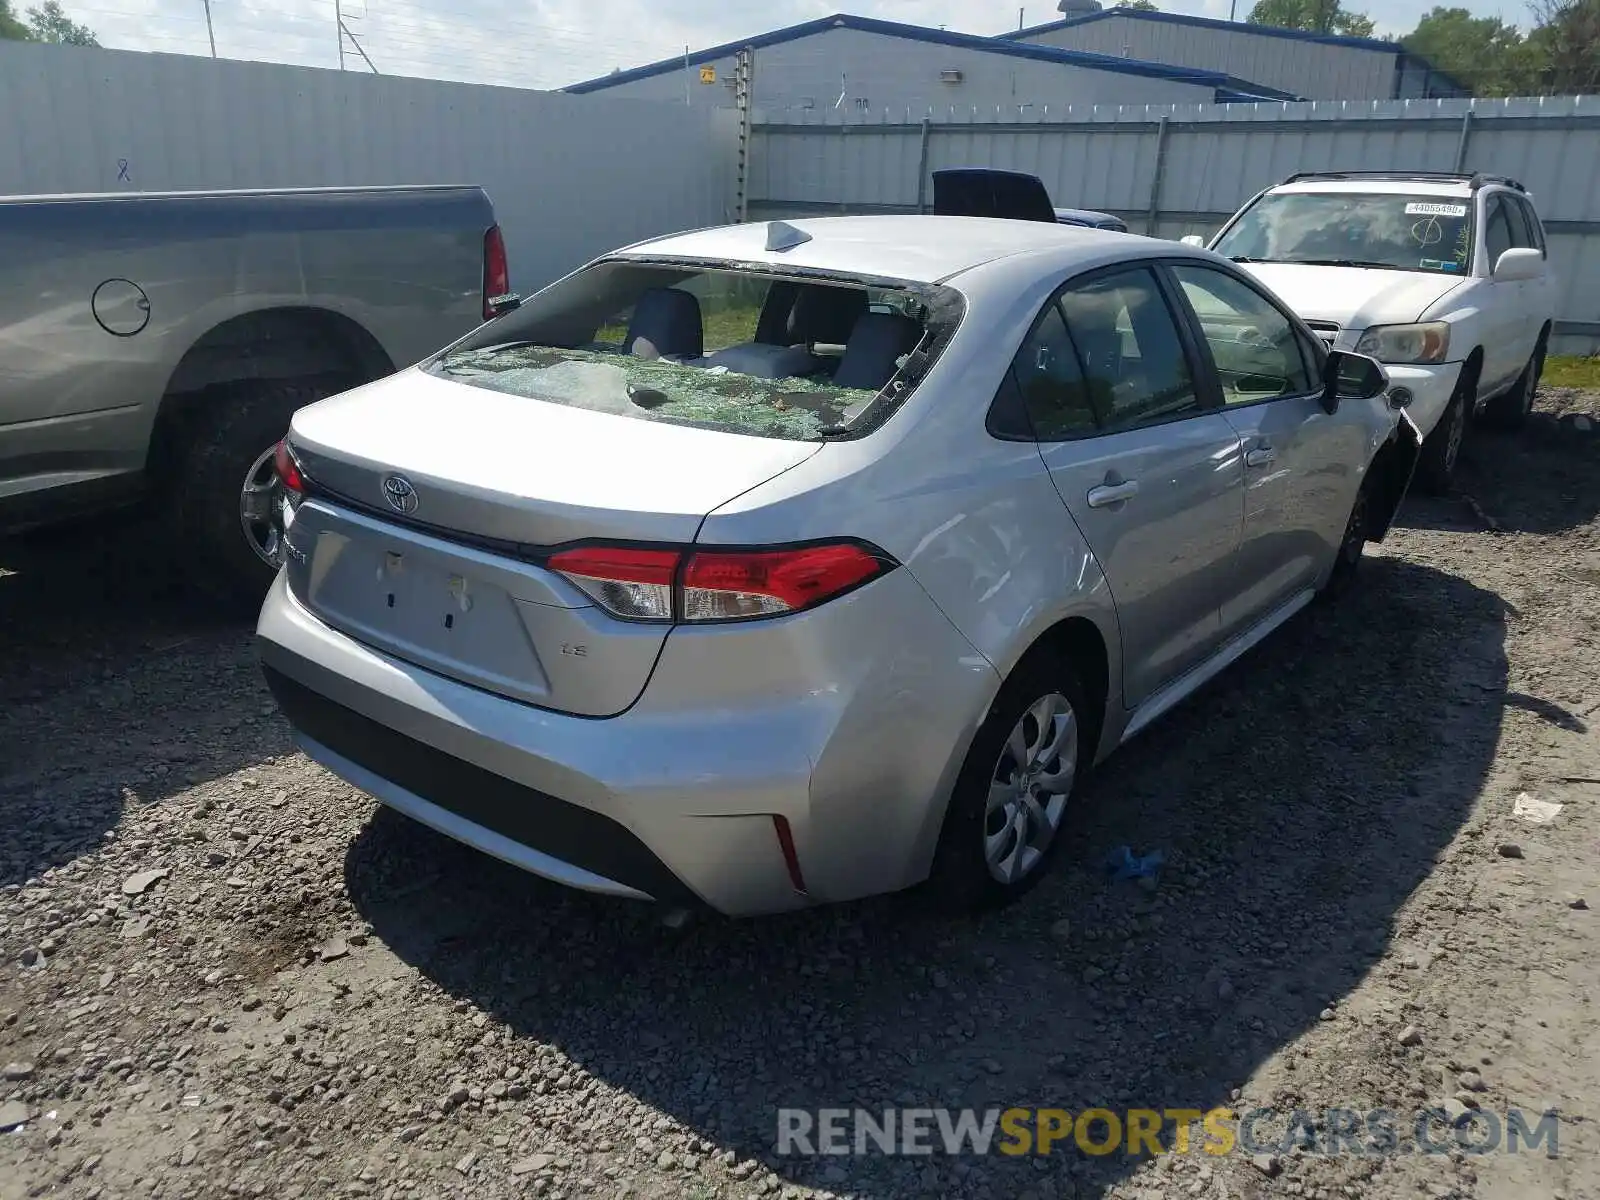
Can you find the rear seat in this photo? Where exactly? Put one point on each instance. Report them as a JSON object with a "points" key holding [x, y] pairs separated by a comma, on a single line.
{"points": [[819, 315]]}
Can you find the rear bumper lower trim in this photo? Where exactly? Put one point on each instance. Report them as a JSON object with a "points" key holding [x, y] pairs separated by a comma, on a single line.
{"points": [[542, 834]]}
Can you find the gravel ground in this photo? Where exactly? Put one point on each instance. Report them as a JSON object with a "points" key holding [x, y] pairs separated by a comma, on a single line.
{"points": [[223, 972]]}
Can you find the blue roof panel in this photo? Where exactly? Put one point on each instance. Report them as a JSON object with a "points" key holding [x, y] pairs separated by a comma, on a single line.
{"points": [[1225, 85], [1142, 14]]}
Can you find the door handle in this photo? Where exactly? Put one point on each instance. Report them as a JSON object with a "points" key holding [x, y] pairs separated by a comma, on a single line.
{"points": [[1261, 456], [1108, 494]]}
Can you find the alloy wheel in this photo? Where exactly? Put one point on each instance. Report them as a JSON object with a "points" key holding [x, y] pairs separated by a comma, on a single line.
{"points": [[1031, 784], [261, 509]]}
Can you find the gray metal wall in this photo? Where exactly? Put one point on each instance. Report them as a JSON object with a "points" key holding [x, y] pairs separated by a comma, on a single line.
{"points": [[1176, 171], [570, 176], [901, 76], [1315, 70]]}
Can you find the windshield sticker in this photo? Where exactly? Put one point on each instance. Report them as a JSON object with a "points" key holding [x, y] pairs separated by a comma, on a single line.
{"points": [[1438, 264], [1423, 209]]}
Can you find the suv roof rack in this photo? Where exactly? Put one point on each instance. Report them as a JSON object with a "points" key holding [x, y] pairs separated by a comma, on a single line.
{"points": [[1473, 180]]}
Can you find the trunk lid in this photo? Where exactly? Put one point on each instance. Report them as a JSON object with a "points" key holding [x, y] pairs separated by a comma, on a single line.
{"points": [[429, 498]]}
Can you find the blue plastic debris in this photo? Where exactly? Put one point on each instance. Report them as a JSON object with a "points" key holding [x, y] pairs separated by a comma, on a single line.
{"points": [[1124, 864]]}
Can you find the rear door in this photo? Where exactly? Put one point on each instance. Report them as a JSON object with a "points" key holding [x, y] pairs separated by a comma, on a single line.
{"points": [[1302, 466], [1149, 472]]}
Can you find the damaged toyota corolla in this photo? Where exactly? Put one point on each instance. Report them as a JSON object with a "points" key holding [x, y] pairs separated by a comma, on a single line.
{"points": [[790, 563]]}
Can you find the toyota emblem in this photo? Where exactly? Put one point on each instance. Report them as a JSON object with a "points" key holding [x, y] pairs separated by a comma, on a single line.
{"points": [[402, 497]]}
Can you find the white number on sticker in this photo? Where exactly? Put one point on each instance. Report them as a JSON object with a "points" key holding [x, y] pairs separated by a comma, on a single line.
{"points": [[1421, 209]]}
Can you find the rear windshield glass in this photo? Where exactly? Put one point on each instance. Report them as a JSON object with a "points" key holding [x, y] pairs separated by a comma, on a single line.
{"points": [[1405, 233], [800, 359]]}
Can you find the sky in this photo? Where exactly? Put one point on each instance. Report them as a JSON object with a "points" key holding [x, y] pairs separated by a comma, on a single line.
{"points": [[552, 43]]}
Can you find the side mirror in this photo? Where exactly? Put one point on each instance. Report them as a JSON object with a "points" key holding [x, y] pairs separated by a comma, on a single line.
{"points": [[1351, 377], [1193, 239], [1519, 264]]}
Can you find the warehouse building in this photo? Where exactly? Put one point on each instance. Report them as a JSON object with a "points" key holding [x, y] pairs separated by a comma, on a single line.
{"points": [[1317, 66], [869, 67]]}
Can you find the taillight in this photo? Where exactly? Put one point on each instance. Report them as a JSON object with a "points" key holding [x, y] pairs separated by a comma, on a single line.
{"points": [[627, 582], [289, 473], [723, 586], [496, 270], [660, 584]]}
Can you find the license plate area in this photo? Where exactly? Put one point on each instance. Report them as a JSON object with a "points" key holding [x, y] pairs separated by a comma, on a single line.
{"points": [[427, 608]]}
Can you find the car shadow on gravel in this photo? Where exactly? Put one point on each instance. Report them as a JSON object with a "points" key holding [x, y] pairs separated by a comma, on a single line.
{"points": [[118, 685], [1299, 800], [1540, 480]]}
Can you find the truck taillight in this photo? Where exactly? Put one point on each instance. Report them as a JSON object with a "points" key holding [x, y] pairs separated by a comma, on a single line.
{"points": [[496, 271], [663, 584]]}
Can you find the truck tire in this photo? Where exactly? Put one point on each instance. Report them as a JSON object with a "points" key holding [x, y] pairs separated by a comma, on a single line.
{"points": [[229, 446], [1509, 410]]}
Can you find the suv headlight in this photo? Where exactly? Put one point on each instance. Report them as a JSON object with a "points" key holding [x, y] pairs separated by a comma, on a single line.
{"points": [[1403, 344]]}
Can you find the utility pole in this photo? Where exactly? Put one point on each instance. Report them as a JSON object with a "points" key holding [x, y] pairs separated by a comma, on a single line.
{"points": [[360, 49], [209, 32], [1233, 10], [744, 99], [338, 29]]}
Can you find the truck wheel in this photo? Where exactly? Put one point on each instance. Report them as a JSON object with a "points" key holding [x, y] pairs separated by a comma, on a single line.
{"points": [[1509, 410], [1442, 448], [228, 503]]}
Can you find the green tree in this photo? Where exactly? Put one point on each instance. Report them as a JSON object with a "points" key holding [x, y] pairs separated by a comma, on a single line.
{"points": [[1485, 53], [12, 29], [1313, 16], [49, 24], [1564, 47]]}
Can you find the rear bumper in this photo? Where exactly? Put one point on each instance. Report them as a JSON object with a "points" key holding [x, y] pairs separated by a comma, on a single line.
{"points": [[849, 722]]}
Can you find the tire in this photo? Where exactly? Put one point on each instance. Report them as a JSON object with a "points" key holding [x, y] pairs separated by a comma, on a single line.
{"points": [[1441, 451], [1352, 547], [972, 871], [230, 442], [1509, 411]]}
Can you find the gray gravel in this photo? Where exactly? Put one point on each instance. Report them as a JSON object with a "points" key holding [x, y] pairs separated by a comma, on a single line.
{"points": [[222, 971]]}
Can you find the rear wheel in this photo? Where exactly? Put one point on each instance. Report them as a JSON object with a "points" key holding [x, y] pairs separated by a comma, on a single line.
{"points": [[229, 501], [1436, 469], [1015, 790], [1510, 410]]}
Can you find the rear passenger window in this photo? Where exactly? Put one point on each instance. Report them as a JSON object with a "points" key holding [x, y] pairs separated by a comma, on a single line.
{"points": [[1050, 379], [1135, 369]]}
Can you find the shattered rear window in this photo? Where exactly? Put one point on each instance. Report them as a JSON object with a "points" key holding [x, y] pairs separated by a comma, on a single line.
{"points": [[797, 358], [714, 398]]}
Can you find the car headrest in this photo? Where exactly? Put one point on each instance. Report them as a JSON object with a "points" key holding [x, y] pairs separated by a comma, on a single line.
{"points": [[872, 354], [666, 323]]}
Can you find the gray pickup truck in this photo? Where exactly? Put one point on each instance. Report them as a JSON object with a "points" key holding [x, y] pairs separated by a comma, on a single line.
{"points": [[154, 346]]}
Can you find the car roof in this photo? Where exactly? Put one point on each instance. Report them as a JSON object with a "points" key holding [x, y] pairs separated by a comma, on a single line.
{"points": [[916, 249], [1379, 187]]}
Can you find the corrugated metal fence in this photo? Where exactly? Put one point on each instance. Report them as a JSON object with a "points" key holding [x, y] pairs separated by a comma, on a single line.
{"points": [[570, 176], [1175, 171]]}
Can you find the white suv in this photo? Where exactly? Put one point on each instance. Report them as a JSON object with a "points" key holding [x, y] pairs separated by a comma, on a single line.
{"points": [[1442, 278]]}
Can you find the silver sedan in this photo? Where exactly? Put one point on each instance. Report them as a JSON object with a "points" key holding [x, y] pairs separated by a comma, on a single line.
{"points": [[782, 564]]}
